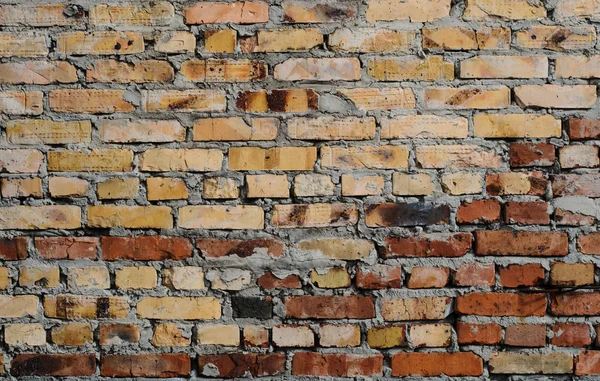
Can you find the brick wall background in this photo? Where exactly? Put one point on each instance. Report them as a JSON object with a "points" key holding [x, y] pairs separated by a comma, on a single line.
{"points": [[295, 188]]}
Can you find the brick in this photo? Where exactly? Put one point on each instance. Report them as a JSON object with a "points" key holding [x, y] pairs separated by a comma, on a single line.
{"points": [[336, 365], [219, 334], [183, 308], [579, 156], [251, 307], [73, 334], [221, 217], [270, 281], [569, 8], [37, 131], [235, 128], [39, 276], [526, 213], [460, 38], [223, 70], [310, 185], [118, 334], [507, 242], [387, 336], [330, 307], [169, 335], [370, 40], [404, 214], [40, 217], [586, 363], [233, 365], [279, 100], [556, 37], [431, 335], [481, 10], [478, 212], [364, 157], [184, 278], [269, 186], [58, 365], [338, 248], [115, 160], [118, 188], [478, 334], [475, 275], [429, 245], [336, 277], [22, 188], [411, 10], [433, 68], [467, 97], [532, 154], [380, 99], [13, 249], [92, 277], [318, 69], [515, 183], [145, 365], [516, 126], [314, 215], [417, 184], [457, 156], [285, 40], [131, 131], [576, 185], [220, 41], [574, 304], [256, 336], [504, 67], [143, 277], [421, 308], [72, 307], [122, 72], [583, 128], [501, 304], [570, 335], [293, 336], [217, 248], [67, 247], [32, 334], [527, 275], [99, 43], [5, 279], [435, 364], [25, 45], [21, 102], [90, 101], [339, 335], [302, 11], [460, 183], [146, 248], [194, 160], [362, 185], [37, 72], [555, 96], [278, 158], [229, 279], [525, 335], [183, 100], [331, 128], [240, 12], [131, 217], [18, 306], [589, 243], [220, 188], [379, 277], [531, 363], [158, 14], [571, 274], [428, 277], [41, 14], [577, 67], [175, 42], [63, 187]]}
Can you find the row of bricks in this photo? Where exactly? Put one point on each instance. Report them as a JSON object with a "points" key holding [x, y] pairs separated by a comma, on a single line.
{"points": [[163, 13]]}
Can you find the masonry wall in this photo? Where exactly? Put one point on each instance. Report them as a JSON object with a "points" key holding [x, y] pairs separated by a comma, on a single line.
{"points": [[299, 188]]}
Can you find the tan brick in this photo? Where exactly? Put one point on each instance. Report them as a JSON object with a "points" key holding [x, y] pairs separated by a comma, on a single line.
{"points": [[142, 277], [88, 277], [100, 43], [40, 276], [336, 277], [110, 160], [220, 41], [73, 334], [235, 128], [386, 336], [223, 70], [267, 186], [418, 184], [229, 279], [531, 363], [227, 335], [278, 100], [20, 160], [124, 72], [576, 8], [157, 14], [40, 217], [131, 217], [5, 280], [22, 188], [32, 334], [90, 101], [195, 160], [314, 215], [118, 334], [364, 157], [482, 10], [504, 67], [313, 184], [411, 10], [184, 278], [18, 306], [227, 217], [292, 335], [466, 97], [118, 188], [61, 187], [166, 188], [362, 185], [41, 14], [516, 126], [21, 102], [571, 274], [220, 188], [460, 38], [39, 131], [12, 45], [339, 335], [255, 336], [302, 11], [370, 40], [433, 68], [423, 308], [431, 335], [140, 131], [577, 156], [183, 101], [556, 37], [338, 248], [460, 183], [318, 69], [285, 40], [175, 42], [578, 66], [169, 335], [506, 183], [278, 158], [85, 307], [380, 99], [240, 12], [331, 128], [457, 156], [424, 126], [37, 72], [184, 308], [556, 96]]}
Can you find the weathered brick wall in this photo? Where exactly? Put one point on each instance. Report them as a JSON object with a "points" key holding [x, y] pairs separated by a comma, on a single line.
{"points": [[296, 188]]}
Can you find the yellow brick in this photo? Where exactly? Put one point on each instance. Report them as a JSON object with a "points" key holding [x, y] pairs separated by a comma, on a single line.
{"points": [[482, 10], [411, 10], [318, 69], [166, 188], [220, 41], [123, 72], [73, 334], [38, 131], [67, 187], [449, 38], [228, 217], [433, 68], [159, 13], [22, 188], [37, 72], [504, 67], [346, 249], [22, 45], [32, 334], [18, 306], [424, 126], [40, 276], [576, 8], [339, 335], [556, 37], [219, 334], [184, 100], [100, 43], [286, 40], [40, 14], [85, 307], [279, 158], [516, 126], [21, 102], [90, 101], [370, 40], [195, 160], [239, 12], [386, 337], [418, 184], [136, 277], [423, 308], [108, 160], [40, 217], [313, 184], [380, 99], [336, 277], [460, 183], [4, 278], [220, 188], [168, 334], [571, 274], [235, 128], [118, 188], [132, 217], [183, 308], [223, 70], [134, 131], [578, 66], [556, 96], [184, 278], [362, 185], [175, 42], [89, 277], [457, 156], [431, 335], [267, 186], [364, 157], [332, 128], [467, 97], [314, 215]]}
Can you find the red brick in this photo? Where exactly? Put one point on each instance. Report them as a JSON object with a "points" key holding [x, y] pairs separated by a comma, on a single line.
{"points": [[429, 277], [269, 281], [532, 154], [62, 365], [435, 364], [526, 213], [480, 334], [521, 243], [233, 365], [146, 248], [501, 304], [528, 275], [378, 277], [475, 274], [582, 128], [145, 365], [571, 335], [336, 365], [575, 304], [67, 247], [589, 243], [13, 249], [330, 307], [525, 335], [452, 245], [216, 248], [587, 363], [479, 212]]}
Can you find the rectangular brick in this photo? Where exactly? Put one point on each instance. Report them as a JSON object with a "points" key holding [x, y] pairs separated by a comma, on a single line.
{"points": [[40, 217], [194, 160], [24, 45], [405, 214], [410, 10], [223, 70], [235, 128], [38, 131], [364, 157], [123, 72], [336, 365], [131, 217], [501, 304], [424, 126], [521, 243], [330, 307], [41, 15], [157, 14], [183, 308], [37, 72], [433, 68], [482, 10], [370, 40], [20, 161], [496, 97], [221, 217], [183, 101], [85, 307], [57, 365], [286, 40], [318, 69], [457, 156], [234, 365], [303, 11], [114, 160], [166, 365], [18, 306], [501, 126], [240, 12], [574, 66], [278, 158], [504, 67], [556, 37], [314, 215], [331, 128], [278, 100], [458, 364], [555, 96], [99, 43], [380, 99], [90, 101], [21, 102]]}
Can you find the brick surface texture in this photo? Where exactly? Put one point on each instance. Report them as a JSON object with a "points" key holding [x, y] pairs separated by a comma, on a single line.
{"points": [[299, 189]]}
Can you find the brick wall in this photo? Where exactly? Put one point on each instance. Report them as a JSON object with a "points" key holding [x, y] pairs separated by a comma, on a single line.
{"points": [[295, 188]]}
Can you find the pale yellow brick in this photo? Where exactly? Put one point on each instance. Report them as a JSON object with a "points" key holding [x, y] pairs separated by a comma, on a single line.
{"points": [[118, 188], [569, 66], [432, 68], [579, 156], [107, 160], [184, 278], [61, 187], [302, 11], [364, 157], [183, 308], [482, 10], [40, 14], [292, 335], [380, 99], [362, 185], [38, 131], [142, 277], [32, 334], [223, 70], [220, 188], [21, 102], [339, 335], [313, 184], [504, 67], [166, 188], [175, 42], [556, 37], [284, 40], [37, 72], [332, 128], [226, 335], [457, 38], [467, 97], [132, 217], [18, 306], [90, 101], [577, 8], [556, 96], [339, 248], [431, 335], [239, 12], [12, 45], [21, 188], [184, 100], [40, 217], [410, 10], [457, 156], [227, 217], [140, 131], [370, 40], [424, 126], [73, 334], [531, 363], [278, 158], [114, 71], [89, 277], [516, 126], [318, 69], [335, 277], [314, 215], [422, 308], [169, 335], [5, 280], [193, 159], [42, 276], [460, 183], [99, 43], [267, 186], [156, 14], [235, 128], [220, 41], [418, 184]]}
